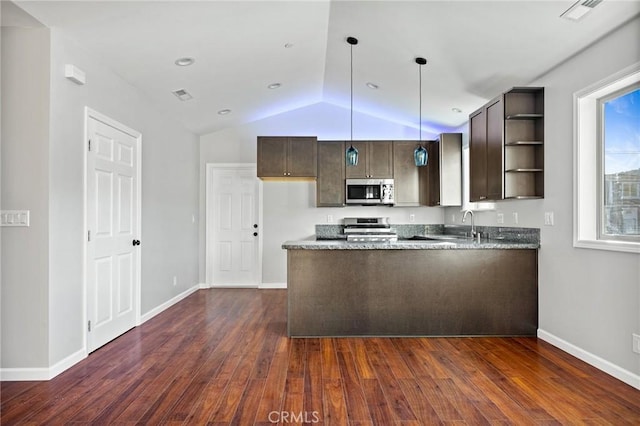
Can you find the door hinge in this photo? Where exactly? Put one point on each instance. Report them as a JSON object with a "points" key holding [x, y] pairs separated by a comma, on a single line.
{"points": [[89, 143], [88, 235], [88, 325]]}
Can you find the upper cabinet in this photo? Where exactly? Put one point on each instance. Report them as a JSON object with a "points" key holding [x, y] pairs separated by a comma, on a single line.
{"points": [[330, 186], [406, 179], [287, 157], [524, 143], [441, 179], [506, 146], [375, 160]]}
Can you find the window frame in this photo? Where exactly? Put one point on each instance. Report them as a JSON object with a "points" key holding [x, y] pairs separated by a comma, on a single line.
{"points": [[588, 164]]}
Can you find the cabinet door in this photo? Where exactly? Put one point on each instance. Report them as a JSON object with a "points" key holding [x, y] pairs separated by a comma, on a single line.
{"points": [[302, 157], [450, 169], [330, 185], [433, 167], [361, 170], [405, 174], [272, 156], [495, 155], [478, 156], [380, 159]]}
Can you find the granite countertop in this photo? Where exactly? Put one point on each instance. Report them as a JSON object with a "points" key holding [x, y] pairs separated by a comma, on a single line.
{"points": [[462, 244]]}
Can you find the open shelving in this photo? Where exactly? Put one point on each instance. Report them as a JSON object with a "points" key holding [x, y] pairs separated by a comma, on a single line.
{"points": [[524, 143]]}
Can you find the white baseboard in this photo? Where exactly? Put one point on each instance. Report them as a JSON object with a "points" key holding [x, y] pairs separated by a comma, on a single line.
{"points": [[39, 374], [155, 311], [48, 373], [266, 286], [602, 364]]}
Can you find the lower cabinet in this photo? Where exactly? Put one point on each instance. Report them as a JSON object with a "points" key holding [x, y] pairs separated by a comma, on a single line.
{"points": [[412, 292]]}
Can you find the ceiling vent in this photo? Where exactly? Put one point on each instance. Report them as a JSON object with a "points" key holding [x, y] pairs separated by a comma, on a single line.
{"points": [[182, 94], [579, 9]]}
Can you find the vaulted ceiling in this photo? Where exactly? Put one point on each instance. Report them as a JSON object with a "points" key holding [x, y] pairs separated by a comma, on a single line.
{"points": [[474, 49]]}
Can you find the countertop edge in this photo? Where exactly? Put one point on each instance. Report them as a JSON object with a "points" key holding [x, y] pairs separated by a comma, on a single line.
{"points": [[407, 245]]}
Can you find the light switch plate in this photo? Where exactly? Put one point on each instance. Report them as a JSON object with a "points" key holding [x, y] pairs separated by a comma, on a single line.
{"points": [[14, 217], [515, 217], [636, 343], [500, 217]]}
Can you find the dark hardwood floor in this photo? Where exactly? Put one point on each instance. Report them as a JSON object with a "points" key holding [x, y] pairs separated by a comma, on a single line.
{"points": [[223, 357]]}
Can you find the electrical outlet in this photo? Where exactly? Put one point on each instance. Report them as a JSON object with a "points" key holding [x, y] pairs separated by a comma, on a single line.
{"points": [[636, 343], [500, 217], [515, 217], [548, 218], [453, 217], [412, 218], [329, 218], [175, 280]]}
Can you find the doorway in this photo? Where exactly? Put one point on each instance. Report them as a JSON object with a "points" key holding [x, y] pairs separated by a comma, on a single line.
{"points": [[113, 222], [233, 234]]}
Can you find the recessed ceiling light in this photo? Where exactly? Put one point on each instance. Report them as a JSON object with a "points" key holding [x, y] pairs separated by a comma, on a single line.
{"points": [[457, 110], [288, 45], [184, 62], [182, 94], [224, 111], [274, 85], [371, 85]]}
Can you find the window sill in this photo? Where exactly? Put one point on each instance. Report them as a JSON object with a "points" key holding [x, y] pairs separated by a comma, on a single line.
{"points": [[622, 246]]}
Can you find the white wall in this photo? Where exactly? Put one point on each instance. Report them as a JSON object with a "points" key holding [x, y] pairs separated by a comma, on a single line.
{"points": [[589, 299], [289, 207], [25, 169]]}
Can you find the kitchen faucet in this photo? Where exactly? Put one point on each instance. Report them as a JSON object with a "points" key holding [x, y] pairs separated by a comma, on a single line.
{"points": [[474, 234]]}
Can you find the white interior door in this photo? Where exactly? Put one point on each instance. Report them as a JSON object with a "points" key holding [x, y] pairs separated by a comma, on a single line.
{"points": [[113, 222], [233, 231]]}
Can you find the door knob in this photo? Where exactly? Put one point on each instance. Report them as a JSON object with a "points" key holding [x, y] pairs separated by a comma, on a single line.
{"points": [[255, 234], [255, 225], [136, 242]]}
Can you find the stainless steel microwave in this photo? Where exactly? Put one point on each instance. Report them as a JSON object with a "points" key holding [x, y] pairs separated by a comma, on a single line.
{"points": [[370, 191]]}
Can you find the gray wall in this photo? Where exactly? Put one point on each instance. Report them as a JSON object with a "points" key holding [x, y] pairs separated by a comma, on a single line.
{"points": [[43, 170], [25, 170], [588, 298], [169, 191]]}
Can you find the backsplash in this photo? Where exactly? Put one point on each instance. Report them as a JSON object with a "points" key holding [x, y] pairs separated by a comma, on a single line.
{"points": [[521, 235]]}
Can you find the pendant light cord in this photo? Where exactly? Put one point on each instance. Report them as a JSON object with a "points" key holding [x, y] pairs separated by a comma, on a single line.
{"points": [[351, 94], [420, 102]]}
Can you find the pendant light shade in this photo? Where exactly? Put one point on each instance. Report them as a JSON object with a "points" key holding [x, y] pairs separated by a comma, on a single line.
{"points": [[352, 152], [420, 154]]}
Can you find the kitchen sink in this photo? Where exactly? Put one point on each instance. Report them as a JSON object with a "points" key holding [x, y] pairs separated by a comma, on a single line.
{"points": [[439, 238]]}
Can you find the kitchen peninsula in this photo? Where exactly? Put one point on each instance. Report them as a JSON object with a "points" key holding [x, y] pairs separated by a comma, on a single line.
{"points": [[425, 287]]}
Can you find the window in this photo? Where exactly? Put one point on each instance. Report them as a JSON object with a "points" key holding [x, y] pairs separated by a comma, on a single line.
{"points": [[607, 163], [619, 148]]}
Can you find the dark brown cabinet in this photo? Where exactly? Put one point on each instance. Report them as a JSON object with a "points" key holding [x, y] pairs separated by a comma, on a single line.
{"points": [[330, 184], [506, 146], [485, 152], [441, 179], [375, 160], [524, 143], [406, 175], [287, 157]]}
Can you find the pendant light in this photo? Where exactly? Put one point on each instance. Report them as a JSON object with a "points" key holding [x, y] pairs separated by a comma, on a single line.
{"points": [[420, 155], [352, 153]]}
